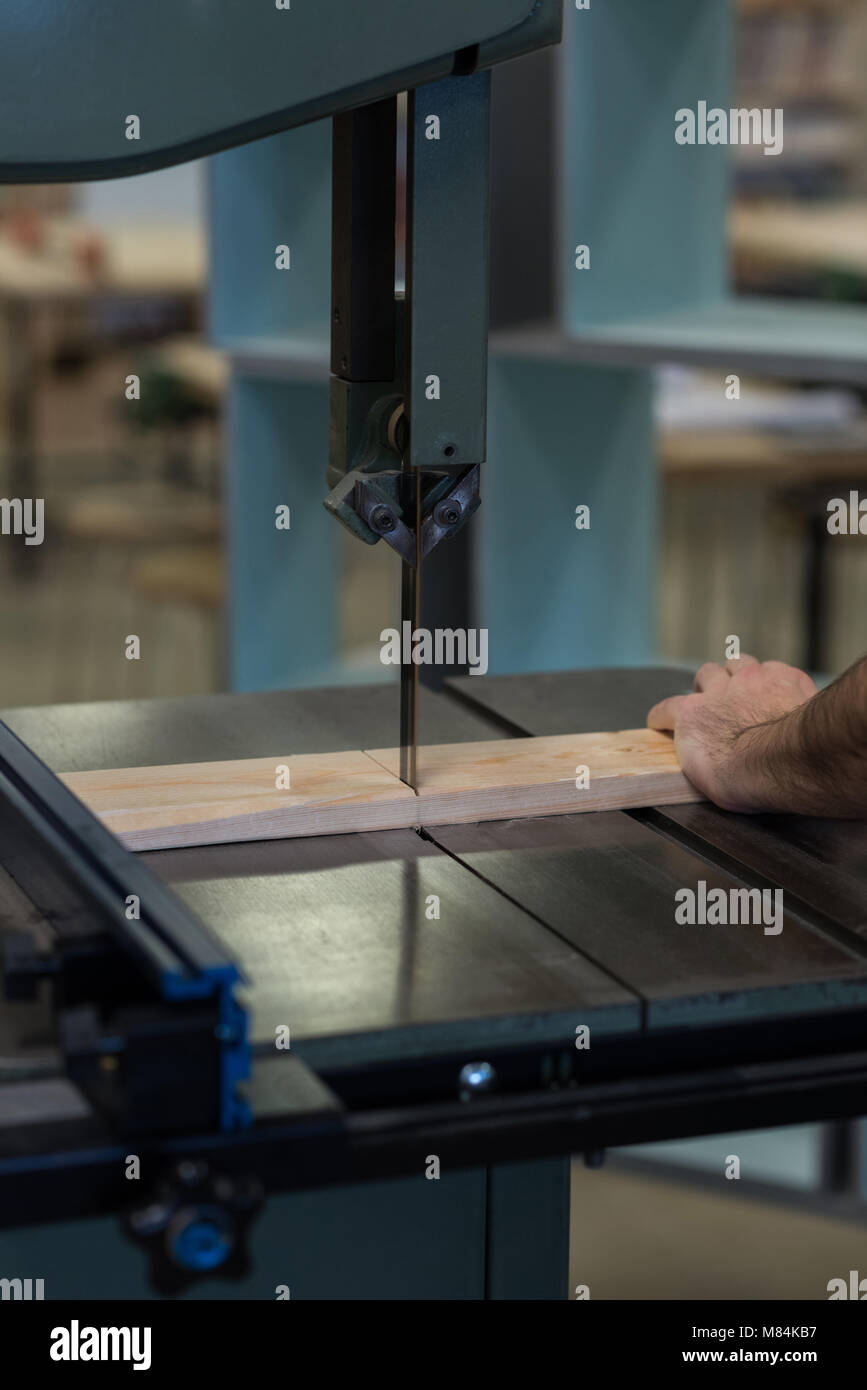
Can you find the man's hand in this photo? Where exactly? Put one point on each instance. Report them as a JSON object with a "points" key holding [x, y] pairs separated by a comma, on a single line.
{"points": [[737, 737]]}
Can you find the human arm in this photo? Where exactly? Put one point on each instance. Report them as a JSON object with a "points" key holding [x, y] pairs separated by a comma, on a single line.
{"points": [[758, 736]]}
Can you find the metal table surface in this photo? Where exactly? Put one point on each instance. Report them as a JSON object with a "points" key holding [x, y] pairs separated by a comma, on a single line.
{"points": [[544, 924], [332, 931], [821, 864]]}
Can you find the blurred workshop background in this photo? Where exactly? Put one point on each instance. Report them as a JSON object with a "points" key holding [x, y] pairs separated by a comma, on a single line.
{"points": [[106, 281], [163, 387]]}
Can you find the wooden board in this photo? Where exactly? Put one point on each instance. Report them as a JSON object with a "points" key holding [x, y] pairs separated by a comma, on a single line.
{"points": [[335, 793]]}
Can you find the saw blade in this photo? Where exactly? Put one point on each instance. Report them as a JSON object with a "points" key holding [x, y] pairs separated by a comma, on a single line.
{"points": [[410, 596]]}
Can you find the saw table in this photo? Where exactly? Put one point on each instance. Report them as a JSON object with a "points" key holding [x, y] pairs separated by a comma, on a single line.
{"points": [[444, 1040]]}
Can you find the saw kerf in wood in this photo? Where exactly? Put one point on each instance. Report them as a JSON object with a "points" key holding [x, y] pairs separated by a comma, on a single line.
{"points": [[337, 793]]}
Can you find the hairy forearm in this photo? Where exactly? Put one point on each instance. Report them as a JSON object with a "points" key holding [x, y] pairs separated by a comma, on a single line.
{"points": [[816, 755]]}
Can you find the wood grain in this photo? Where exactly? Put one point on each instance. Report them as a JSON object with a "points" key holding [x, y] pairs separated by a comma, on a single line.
{"points": [[214, 803], [336, 793]]}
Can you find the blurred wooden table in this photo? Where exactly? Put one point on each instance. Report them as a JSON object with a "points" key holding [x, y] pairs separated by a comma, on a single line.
{"points": [[136, 261], [803, 471], [823, 237]]}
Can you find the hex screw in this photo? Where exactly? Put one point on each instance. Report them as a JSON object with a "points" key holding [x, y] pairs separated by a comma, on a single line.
{"points": [[447, 513], [382, 520]]}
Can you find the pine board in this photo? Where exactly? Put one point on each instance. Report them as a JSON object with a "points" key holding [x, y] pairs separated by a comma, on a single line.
{"points": [[338, 793]]}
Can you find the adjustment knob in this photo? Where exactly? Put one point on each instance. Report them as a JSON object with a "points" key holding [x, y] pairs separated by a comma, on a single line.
{"points": [[195, 1226]]}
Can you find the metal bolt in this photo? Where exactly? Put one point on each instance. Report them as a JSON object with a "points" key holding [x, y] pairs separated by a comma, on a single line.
{"points": [[447, 513], [382, 520], [476, 1078]]}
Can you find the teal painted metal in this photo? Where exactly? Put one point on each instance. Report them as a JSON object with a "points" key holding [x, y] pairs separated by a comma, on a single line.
{"points": [[651, 211], [411, 1238], [276, 192], [283, 583], [553, 596], [528, 1230], [447, 271], [201, 77]]}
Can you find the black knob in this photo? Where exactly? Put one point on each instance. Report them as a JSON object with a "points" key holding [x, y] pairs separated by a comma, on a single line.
{"points": [[194, 1226]]}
